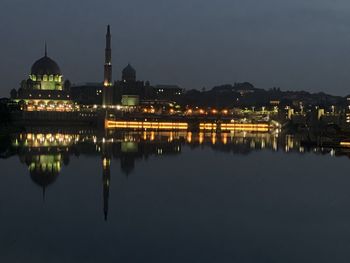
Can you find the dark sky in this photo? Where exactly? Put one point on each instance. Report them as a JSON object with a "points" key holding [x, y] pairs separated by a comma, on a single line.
{"points": [[295, 44]]}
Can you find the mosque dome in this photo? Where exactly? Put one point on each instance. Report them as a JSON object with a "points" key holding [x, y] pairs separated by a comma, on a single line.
{"points": [[129, 73], [129, 69], [45, 66]]}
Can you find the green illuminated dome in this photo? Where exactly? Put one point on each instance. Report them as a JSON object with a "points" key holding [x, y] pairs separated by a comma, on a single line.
{"points": [[45, 66]]}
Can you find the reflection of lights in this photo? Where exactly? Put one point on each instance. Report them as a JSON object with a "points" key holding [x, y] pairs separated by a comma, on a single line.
{"points": [[224, 138], [201, 137], [252, 144], [253, 140], [189, 137], [171, 137], [106, 162], [48, 140], [289, 142], [213, 138], [275, 145], [345, 144]]}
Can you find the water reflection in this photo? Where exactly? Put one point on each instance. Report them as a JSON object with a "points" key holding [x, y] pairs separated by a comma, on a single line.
{"points": [[46, 152]]}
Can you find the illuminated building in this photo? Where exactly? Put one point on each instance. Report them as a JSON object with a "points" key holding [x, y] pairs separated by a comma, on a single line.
{"points": [[129, 91], [44, 90], [107, 82]]}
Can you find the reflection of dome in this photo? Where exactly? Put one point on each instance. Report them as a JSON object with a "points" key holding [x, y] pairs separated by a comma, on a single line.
{"points": [[43, 178], [127, 163], [44, 169], [45, 66], [129, 73]]}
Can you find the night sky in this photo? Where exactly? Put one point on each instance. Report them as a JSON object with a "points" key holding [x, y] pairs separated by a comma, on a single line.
{"points": [[295, 44]]}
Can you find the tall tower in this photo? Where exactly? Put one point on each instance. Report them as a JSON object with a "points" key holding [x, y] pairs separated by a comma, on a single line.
{"points": [[107, 82]]}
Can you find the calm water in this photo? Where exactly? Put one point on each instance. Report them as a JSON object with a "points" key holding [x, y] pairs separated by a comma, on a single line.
{"points": [[83, 196]]}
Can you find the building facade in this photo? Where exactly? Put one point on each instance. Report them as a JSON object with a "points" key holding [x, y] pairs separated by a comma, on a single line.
{"points": [[44, 90]]}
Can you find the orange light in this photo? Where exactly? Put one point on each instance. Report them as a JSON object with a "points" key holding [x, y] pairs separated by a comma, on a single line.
{"points": [[345, 144], [189, 137], [146, 125]]}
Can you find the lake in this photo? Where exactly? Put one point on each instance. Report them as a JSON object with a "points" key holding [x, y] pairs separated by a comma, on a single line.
{"points": [[89, 196]]}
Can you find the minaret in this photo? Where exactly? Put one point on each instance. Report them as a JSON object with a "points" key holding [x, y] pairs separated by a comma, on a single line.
{"points": [[107, 82]]}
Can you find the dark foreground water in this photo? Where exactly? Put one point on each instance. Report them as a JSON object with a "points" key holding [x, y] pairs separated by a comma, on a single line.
{"points": [[171, 197]]}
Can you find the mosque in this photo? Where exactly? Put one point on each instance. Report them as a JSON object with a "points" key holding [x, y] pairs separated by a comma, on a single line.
{"points": [[44, 90]]}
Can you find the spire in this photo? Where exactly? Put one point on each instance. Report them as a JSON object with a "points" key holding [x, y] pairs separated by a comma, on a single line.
{"points": [[107, 82], [45, 49], [108, 41]]}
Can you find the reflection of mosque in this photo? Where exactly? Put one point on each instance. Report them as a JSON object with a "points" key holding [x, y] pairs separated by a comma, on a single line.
{"points": [[46, 153]]}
